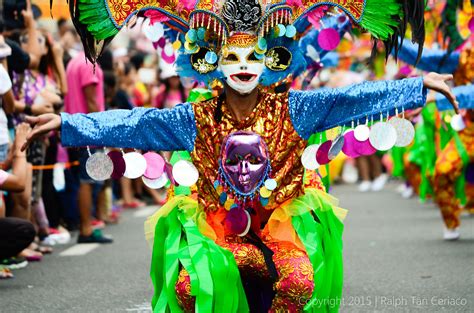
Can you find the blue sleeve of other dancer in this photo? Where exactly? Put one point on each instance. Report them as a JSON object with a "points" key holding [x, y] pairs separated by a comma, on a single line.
{"points": [[140, 128], [464, 95], [322, 109], [432, 60]]}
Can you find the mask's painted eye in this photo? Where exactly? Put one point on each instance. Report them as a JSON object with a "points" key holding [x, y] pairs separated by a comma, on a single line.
{"points": [[255, 160], [230, 162], [252, 58], [231, 57]]}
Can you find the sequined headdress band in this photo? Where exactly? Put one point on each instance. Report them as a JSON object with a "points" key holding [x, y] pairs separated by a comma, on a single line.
{"points": [[199, 28], [242, 40]]}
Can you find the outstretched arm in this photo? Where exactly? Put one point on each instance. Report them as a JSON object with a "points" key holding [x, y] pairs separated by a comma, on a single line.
{"points": [[322, 109], [432, 60], [140, 128], [464, 95]]}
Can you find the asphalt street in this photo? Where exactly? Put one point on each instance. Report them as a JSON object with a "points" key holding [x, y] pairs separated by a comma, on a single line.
{"points": [[395, 261]]}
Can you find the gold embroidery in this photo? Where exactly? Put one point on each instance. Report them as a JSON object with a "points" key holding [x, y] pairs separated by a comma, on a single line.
{"points": [[203, 67], [242, 40], [273, 60]]}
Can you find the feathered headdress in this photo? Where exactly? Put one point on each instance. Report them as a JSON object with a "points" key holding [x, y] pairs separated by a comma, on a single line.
{"points": [[201, 29]]}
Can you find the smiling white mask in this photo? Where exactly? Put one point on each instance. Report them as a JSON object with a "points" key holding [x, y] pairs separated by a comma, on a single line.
{"points": [[241, 68]]}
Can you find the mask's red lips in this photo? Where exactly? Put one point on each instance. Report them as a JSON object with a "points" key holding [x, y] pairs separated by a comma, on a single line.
{"points": [[243, 77]]}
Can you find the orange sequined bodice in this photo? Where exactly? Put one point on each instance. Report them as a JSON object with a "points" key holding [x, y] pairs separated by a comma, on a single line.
{"points": [[271, 120]]}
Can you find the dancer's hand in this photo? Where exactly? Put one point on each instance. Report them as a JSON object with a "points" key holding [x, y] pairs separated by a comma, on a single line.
{"points": [[42, 124], [437, 82]]}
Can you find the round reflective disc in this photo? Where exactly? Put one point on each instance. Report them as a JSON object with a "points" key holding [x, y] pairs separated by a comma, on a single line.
{"points": [[155, 165], [247, 228], [322, 156], [156, 183], [308, 158], [364, 148], [169, 173], [119, 164], [336, 147], [290, 31], [361, 133], [265, 193], [185, 173], [405, 131], [99, 166], [135, 165], [281, 30], [457, 123], [383, 136], [349, 145], [270, 184]]}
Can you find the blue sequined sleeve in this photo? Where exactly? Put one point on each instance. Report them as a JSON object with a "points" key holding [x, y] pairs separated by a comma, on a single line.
{"points": [[432, 60], [464, 95], [140, 128], [325, 108]]}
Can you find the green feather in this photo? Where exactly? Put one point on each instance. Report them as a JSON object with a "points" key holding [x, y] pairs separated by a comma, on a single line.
{"points": [[378, 17], [95, 16]]}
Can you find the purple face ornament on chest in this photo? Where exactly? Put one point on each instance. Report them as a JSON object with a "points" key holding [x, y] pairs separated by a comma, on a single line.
{"points": [[244, 163]]}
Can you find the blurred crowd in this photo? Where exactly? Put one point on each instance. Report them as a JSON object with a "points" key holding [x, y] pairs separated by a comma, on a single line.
{"points": [[46, 192]]}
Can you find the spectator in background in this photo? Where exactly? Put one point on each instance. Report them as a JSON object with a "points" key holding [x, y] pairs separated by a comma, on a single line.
{"points": [[141, 92], [85, 95], [38, 90], [171, 92], [15, 234], [5, 87], [63, 27], [122, 99]]}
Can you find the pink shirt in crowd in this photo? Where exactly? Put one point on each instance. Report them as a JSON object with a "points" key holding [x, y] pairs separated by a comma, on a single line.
{"points": [[80, 73]]}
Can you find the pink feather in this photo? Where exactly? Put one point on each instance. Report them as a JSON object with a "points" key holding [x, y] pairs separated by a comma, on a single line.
{"points": [[317, 14], [295, 3], [156, 16]]}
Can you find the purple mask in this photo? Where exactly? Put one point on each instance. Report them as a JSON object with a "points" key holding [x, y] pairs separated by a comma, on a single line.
{"points": [[244, 162]]}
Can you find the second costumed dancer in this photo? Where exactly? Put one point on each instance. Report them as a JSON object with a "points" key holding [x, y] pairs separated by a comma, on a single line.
{"points": [[256, 238]]}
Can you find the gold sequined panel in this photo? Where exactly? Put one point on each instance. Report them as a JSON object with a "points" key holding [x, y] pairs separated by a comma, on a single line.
{"points": [[465, 72], [271, 120]]}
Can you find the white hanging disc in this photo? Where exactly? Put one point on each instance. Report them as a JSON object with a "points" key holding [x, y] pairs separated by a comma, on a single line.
{"points": [[185, 173], [361, 132], [135, 165], [405, 131], [308, 158], [156, 183], [457, 122], [270, 184], [382, 136], [99, 166]]}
